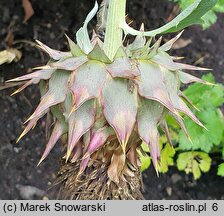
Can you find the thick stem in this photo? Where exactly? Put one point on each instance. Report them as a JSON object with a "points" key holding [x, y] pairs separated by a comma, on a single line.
{"points": [[114, 32]]}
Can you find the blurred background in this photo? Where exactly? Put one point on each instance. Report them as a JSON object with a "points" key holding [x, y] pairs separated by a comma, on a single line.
{"points": [[21, 22]]}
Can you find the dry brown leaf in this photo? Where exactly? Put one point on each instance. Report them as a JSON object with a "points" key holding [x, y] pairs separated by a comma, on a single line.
{"points": [[181, 43], [116, 166], [28, 9], [9, 39], [9, 55], [175, 11]]}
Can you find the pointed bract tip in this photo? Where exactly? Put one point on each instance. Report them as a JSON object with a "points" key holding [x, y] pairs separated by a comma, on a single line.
{"points": [[72, 110], [38, 46], [195, 107], [142, 28], [28, 119], [182, 31], [190, 140], [205, 128], [44, 67], [123, 145], [38, 41], [20, 89], [21, 136], [14, 93], [211, 84], [178, 57], [79, 173], [41, 160], [12, 80], [201, 125], [68, 154], [86, 155], [178, 114], [158, 42], [156, 169]]}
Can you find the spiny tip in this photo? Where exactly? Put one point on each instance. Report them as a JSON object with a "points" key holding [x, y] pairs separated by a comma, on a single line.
{"points": [[68, 155], [42, 67], [211, 84], [72, 110], [190, 140], [123, 145], [85, 155], [157, 171], [205, 128], [14, 93], [28, 119], [41, 160], [178, 114], [21, 136], [196, 108], [12, 80]]}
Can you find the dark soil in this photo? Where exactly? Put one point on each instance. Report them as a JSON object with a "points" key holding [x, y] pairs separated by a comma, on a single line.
{"points": [[51, 20]]}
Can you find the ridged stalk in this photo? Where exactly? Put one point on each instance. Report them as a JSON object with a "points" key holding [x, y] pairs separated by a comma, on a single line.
{"points": [[114, 33]]}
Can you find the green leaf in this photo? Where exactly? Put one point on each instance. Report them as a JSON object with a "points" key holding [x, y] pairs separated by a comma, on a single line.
{"points": [[201, 138], [144, 158], [194, 162], [210, 17], [207, 99], [82, 36], [191, 15], [221, 170], [204, 96], [145, 147], [219, 7], [145, 162], [166, 160], [223, 147]]}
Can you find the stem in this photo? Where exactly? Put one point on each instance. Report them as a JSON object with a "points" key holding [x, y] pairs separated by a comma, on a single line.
{"points": [[114, 32]]}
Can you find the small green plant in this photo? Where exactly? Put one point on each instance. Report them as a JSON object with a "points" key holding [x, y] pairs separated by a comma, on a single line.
{"points": [[210, 17], [193, 155], [194, 162], [107, 97], [221, 170]]}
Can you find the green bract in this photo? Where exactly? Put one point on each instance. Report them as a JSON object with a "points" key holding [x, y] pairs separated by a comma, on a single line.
{"points": [[100, 102]]}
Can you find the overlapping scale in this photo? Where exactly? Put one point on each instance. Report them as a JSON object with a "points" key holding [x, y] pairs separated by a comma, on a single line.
{"points": [[120, 108], [95, 101]]}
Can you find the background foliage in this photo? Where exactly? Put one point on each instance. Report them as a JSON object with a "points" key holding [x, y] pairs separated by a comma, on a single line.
{"points": [[210, 17], [207, 145]]}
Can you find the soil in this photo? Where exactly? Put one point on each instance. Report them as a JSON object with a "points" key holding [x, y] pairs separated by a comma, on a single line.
{"points": [[19, 176]]}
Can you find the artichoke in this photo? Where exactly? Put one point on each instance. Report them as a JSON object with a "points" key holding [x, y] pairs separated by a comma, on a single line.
{"points": [[106, 108]]}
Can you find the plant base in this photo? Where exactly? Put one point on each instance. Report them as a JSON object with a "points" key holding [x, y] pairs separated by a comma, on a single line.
{"points": [[94, 184]]}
